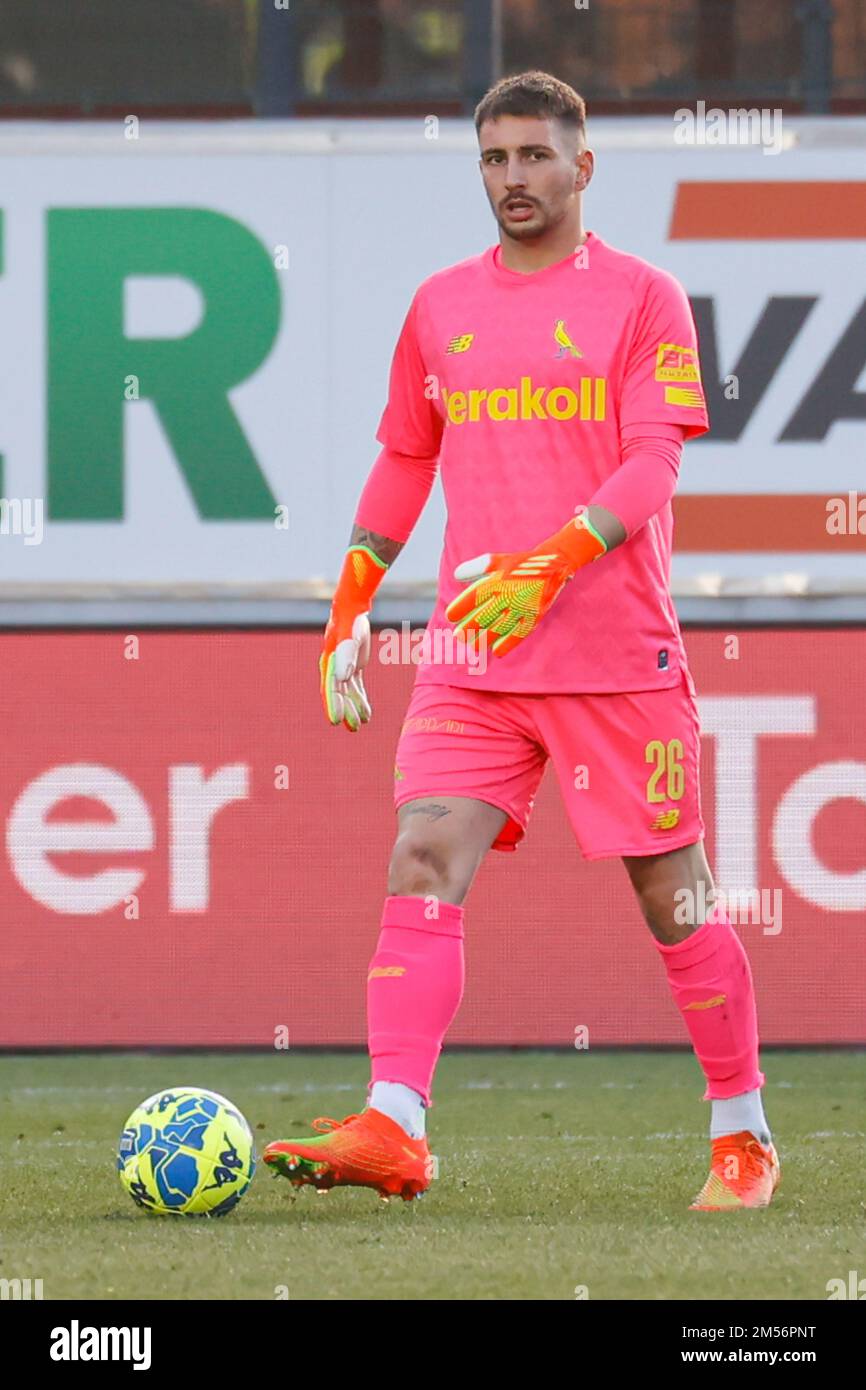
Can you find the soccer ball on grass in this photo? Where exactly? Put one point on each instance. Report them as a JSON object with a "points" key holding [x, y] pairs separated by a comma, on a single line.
{"points": [[186, 1152]]}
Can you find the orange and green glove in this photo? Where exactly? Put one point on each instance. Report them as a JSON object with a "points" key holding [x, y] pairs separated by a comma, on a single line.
{"points": [[346, 644], [511, 592]]}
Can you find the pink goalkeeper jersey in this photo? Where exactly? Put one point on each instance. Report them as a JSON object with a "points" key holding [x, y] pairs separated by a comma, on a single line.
{"points": [[521, 384]]}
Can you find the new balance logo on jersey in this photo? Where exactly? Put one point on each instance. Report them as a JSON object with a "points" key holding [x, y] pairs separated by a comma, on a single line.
{"points": [[461, 343]]}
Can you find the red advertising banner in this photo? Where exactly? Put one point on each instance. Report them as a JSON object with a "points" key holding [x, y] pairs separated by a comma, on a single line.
{"points": [[193, 857]]}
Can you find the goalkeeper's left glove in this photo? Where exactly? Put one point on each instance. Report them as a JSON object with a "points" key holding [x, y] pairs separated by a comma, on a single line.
{"points": [[511, 592]]}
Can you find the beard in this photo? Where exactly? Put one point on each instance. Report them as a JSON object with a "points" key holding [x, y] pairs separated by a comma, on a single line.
{"points": [[522, 231]]}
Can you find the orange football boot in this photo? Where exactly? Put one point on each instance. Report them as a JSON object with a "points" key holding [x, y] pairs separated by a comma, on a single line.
{"points": [[743, 1173], [366, 1150]]}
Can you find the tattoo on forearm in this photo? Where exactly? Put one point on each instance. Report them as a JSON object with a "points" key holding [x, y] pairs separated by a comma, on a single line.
{"points": [[386, 549], [433, 810]]}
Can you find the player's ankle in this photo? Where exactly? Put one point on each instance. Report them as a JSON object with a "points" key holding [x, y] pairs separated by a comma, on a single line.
{"points": [[401, 1104], [743, 1112]]}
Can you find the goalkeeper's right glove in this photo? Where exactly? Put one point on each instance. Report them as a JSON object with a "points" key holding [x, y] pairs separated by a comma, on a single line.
{"points": [[346, 645]]}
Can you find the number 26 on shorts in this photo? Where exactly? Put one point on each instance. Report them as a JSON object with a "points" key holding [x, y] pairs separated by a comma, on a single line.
{"points": [[668, 765]]}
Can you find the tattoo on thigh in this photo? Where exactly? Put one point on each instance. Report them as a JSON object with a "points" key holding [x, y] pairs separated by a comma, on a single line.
{"points": [[433, 810]]}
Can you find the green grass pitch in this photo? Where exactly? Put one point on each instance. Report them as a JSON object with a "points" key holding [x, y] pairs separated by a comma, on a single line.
{"points": [[557, 1172]]}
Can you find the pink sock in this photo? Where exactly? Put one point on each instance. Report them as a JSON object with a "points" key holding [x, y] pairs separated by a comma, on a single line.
{"points": [[414, 988], [711, 984]]}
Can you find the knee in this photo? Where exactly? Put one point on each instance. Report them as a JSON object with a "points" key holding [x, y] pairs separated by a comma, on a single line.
{"points": [[672, 913], [662, 919], [420, 867], [673, 890]]}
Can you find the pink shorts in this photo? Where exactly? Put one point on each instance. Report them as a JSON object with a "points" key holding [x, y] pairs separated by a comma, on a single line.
{"points": [[627, 764]]}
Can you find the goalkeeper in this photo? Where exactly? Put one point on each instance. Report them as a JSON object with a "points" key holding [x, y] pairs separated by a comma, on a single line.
{"points": [[552, 381]]}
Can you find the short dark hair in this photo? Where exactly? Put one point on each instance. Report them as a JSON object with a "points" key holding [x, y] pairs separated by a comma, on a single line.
{"points": [[533, 94]]}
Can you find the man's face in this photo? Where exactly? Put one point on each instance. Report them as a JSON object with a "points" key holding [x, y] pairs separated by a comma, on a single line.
{"points": [[533, 168]]}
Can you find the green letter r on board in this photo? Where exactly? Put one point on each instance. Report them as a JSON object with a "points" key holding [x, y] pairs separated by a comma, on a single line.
{"points": [[91, 252]]}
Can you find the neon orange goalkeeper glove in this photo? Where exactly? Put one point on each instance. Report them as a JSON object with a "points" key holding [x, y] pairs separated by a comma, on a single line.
{"points": [[346, 644], [511, 592]]}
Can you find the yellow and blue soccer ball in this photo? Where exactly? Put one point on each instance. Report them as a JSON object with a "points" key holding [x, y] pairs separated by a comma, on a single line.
{"points": [[186, 1151]]}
